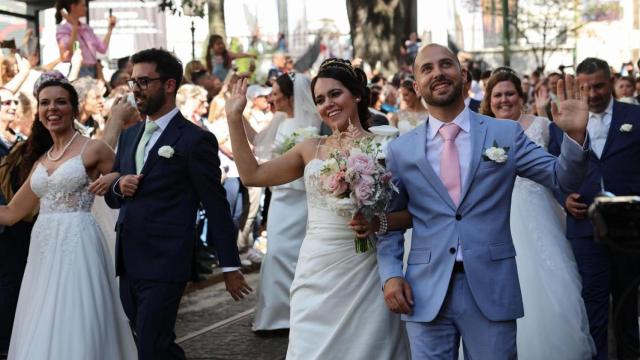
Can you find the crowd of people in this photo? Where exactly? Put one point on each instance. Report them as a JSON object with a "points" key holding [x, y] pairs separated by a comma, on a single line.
{"points": [[202, 165]]}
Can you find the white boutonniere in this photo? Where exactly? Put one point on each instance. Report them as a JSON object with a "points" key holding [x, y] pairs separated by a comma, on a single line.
{"points": [[166, 152], [495, 153], [626, 128]]}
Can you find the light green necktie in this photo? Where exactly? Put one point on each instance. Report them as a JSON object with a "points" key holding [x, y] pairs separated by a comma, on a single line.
{"points": [[149, 128]]}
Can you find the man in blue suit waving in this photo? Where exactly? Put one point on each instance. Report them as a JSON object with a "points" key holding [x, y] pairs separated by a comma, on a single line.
{"points": [[614, 166], [168, 167], [461, 279]]}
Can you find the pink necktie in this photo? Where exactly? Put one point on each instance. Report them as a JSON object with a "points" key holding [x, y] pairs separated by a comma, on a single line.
{"points": [[449, 162]]}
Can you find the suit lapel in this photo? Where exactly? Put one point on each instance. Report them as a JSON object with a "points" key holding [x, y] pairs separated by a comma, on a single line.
{"points": [[617, 115], [478, 130], [169, 136], [420, 142]]}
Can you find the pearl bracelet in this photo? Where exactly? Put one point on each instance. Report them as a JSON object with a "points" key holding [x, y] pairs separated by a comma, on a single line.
{"points": [[384, 224]]}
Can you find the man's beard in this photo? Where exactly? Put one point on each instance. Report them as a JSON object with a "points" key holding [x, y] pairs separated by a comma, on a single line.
{"points": [[152, 103], [447, 100]]}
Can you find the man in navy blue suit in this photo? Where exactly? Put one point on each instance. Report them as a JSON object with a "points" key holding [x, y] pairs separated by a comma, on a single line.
{"points": [[168, 167], [614, 131]]}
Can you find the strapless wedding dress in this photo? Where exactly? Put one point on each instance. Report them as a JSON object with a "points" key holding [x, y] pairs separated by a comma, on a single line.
{"points": [[337, 305]]}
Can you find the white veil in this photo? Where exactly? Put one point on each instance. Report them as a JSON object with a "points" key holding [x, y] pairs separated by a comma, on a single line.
{"points": [[304, 115]]}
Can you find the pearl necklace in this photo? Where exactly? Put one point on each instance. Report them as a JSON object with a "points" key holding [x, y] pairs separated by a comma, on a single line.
{"points": [[63, 149]]}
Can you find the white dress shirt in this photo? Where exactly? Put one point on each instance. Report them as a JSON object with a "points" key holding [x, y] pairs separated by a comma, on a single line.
{"points": [[598, 128], [435, 144]]}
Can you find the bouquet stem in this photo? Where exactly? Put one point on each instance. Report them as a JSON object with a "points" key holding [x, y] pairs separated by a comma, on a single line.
{"points": [[363, 245]]}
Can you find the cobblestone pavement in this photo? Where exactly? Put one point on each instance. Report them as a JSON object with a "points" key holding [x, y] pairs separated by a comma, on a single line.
{"points": [[211, 325]]}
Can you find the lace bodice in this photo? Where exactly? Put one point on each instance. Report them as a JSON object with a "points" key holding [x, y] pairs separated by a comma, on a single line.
{"points": [[314, 198], [538, 131], [408, 120], [65, 190]]}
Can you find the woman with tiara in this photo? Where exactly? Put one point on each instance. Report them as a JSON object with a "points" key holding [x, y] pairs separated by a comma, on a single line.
{"points": [[337, 306]]}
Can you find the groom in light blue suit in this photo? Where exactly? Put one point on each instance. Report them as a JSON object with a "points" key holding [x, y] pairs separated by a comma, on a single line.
{"points": [[461, 279]]}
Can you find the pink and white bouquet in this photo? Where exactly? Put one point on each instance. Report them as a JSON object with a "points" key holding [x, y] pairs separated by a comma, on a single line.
{"points": [[354, 181]]}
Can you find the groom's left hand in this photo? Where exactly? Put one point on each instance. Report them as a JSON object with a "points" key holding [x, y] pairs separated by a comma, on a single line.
{"points": [[236, 285]]}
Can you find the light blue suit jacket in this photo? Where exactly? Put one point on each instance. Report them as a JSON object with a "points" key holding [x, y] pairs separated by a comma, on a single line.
{"points": [[480, 222]]}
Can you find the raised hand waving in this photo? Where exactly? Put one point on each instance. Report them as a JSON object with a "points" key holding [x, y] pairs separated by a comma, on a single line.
{"points": [[571, 112]]}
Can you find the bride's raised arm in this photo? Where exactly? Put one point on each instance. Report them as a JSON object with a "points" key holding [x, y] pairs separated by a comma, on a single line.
{"points": [[281, 170]]}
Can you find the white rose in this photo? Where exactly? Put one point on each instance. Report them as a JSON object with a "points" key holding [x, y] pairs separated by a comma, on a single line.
{"points": [[496, 154], [166, 152], [331, 165], [626, 127]]}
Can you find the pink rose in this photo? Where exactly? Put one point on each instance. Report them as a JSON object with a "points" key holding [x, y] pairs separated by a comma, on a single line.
{"points": [[364, 188], [361, 163], [336, 184]]}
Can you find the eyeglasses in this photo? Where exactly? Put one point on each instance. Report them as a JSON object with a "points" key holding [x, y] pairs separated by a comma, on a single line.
{"points": [[142, 83], [8, 102]]}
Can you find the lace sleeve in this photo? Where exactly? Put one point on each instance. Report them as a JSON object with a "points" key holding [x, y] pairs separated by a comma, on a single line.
{"points": [[545, 131]]}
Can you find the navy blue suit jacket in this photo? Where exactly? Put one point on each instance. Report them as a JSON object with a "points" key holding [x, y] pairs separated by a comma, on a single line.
{"points": [[618, 167], [156, 228], [474, 105]]}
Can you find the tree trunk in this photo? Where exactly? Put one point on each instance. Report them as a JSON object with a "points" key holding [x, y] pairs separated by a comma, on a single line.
{"points": [[216, 22], [216, 17], [378, 28]]}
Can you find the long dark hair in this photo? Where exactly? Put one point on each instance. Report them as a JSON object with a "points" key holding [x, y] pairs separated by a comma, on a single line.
{"points": [[286, 85], [225, 54], [64, 4], [40, 139], [352, 78]]}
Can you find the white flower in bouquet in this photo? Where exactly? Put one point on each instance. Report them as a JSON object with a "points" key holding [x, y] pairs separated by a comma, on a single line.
{"points": [[354, 181], [297, 137]]}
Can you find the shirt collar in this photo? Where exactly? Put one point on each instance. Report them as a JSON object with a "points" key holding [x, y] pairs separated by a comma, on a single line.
{"points": [[608, 110], [462, 120], [164, 120]]}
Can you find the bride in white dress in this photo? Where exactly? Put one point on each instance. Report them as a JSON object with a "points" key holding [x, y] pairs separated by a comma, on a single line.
{"points": [[337, 307], [555, 324], [68, 306]]}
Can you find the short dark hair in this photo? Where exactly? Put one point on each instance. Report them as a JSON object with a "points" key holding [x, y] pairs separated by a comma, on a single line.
{"points": [[168, 66], [592, 65]]}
